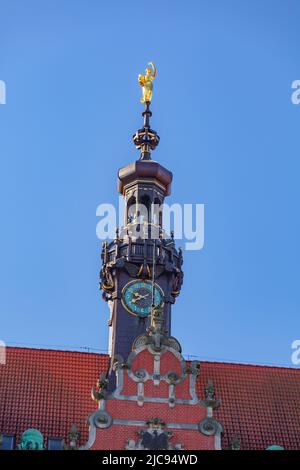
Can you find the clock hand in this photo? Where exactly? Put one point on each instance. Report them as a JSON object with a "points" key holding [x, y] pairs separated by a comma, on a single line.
{"points": [[144, 296], [139, 297]]}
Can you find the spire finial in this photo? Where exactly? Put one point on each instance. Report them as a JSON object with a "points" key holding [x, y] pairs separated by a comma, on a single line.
{"points": [[146, 139]]}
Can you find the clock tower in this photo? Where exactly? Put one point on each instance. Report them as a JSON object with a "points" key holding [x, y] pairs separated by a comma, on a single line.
{"points": [[141, 267]]}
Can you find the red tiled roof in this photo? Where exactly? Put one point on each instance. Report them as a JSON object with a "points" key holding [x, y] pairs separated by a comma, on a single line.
{"points": [[260, 404], [47, 389], [50, 390]]}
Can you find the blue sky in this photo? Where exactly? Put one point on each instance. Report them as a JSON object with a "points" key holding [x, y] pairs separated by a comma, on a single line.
{"points": [[229, 132]]}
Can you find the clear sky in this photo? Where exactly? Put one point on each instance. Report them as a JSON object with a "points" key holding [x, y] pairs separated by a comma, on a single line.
{"points": [[229, 132]]}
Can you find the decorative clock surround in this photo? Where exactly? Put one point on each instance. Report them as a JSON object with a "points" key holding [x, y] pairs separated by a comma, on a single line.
{"points": [[139, 296]]}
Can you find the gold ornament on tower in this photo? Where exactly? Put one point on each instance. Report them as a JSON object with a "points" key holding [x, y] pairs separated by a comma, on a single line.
{"points": [[146, 83]]}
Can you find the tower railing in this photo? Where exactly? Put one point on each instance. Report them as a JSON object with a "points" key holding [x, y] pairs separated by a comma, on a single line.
{"points": [[141, 250]]}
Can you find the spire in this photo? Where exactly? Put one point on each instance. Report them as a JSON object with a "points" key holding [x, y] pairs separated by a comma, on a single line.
{"points": [[146, 139]]}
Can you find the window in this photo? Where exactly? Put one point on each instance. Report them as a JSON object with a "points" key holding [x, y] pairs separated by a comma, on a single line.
{"points": [[131, 210], [157, 212], [55, 443], [145, 210], [7, 442]]}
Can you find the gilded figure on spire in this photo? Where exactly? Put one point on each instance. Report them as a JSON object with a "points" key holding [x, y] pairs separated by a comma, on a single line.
{"points": [[146, 83]]}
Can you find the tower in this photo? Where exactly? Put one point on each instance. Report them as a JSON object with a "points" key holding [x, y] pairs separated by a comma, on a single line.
{"points": [[148, 400], [141, 267]]}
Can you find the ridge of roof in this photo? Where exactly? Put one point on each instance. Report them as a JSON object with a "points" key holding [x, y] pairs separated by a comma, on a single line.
{"points": [[56, 349], [204, 361]]}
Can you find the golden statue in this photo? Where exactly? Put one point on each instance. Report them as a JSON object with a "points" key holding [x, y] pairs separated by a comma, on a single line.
{"points": [[146, 83]]}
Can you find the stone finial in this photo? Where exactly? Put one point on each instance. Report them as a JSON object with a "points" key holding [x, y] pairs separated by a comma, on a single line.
{"points": [[235, 444], [100, 391], [209, 393], [73, 439]]}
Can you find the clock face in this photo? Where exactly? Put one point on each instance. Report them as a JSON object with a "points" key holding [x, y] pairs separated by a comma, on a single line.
{"points": [[137, 297]]}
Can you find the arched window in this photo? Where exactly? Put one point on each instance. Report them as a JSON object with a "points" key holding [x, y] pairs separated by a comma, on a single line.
{"points": [[131, 210], [157, 212], [144, 209]]}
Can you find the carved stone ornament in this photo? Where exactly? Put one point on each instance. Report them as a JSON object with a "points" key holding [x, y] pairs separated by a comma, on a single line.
{"points": [[155, 437], [173, 378], [73, 439], [102, 419], [177, 282], [235, 444], [210, 401], [208, 427], [100, 391], [142, 375], [32, 439], [106, 278]]}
